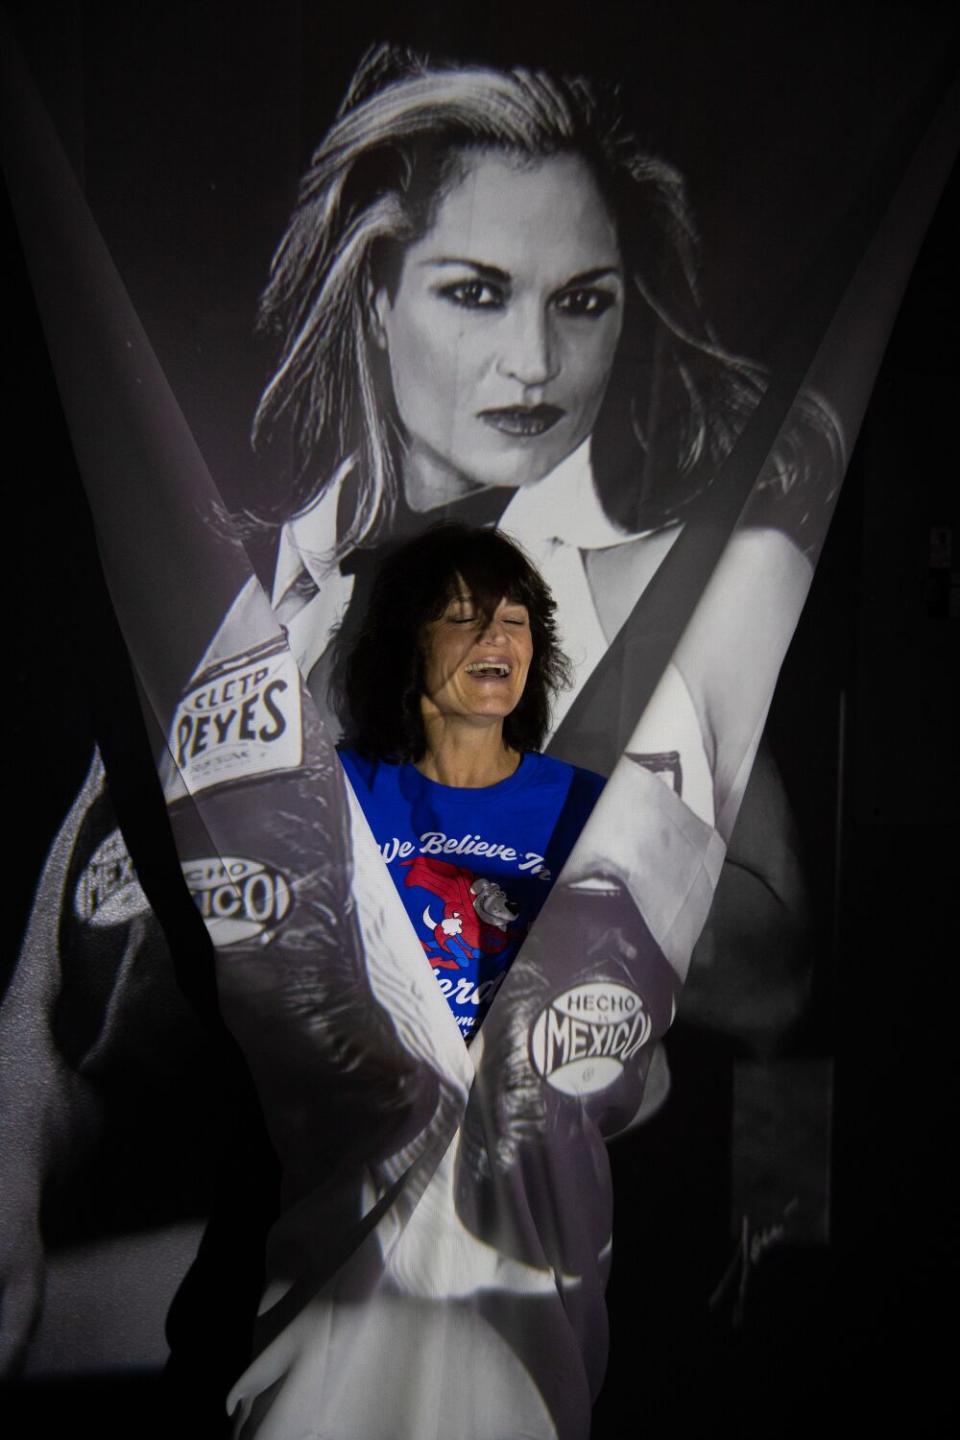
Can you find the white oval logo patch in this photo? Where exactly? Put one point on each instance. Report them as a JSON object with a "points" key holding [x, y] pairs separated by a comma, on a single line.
{"points": [[239, 899], [580, 1042], [108, 891]]}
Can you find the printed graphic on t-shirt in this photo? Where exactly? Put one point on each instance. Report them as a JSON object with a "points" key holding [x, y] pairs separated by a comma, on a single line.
{"points": [[436, 842], [473, 867], [469, 928]]}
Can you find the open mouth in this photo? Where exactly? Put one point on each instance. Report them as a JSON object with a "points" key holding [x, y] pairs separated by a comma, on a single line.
{"points": [[488, 669], [523, 421]]}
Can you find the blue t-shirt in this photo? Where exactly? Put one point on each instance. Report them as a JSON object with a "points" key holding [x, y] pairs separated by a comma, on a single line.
{"points": [[473, 867]]}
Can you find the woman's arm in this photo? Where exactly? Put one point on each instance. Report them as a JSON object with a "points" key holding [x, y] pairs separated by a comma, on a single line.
{"points": [[731, 652]]}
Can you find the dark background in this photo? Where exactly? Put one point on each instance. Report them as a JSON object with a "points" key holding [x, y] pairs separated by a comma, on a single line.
{"points": [[861, 726]]}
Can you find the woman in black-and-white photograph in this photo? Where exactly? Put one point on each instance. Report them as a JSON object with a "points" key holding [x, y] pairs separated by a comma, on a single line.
{"points": [[486, 287], [487, 306]]}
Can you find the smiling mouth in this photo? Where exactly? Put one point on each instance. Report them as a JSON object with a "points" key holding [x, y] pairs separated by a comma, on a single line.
{"points": [[488, 669], [523, 421]]}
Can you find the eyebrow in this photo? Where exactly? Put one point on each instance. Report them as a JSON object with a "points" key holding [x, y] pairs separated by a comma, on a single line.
{"points": [[503, 277]]}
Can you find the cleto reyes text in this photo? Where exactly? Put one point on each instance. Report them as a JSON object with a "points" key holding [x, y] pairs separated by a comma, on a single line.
{"points": [[231, 711]]}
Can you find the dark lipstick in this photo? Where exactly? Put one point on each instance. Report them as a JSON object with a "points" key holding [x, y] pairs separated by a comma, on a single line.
{"points": [[523, 421]]}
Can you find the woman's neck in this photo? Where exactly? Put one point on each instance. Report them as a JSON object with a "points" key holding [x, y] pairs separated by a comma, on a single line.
{"points": [[429, 482], [468, 757]]}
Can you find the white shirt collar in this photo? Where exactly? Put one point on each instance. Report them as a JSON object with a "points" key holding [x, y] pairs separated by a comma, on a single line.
{"points": [[564, 506], [309, 541]]}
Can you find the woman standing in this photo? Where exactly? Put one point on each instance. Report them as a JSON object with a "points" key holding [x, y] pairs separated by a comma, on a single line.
{"points": [[448, 690]]}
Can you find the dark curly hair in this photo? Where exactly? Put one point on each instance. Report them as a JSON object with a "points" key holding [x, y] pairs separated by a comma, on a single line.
{"points": [[378, 675]]}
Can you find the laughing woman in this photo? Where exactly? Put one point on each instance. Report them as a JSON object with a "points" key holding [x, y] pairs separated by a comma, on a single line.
{"points": [[448, 691]]}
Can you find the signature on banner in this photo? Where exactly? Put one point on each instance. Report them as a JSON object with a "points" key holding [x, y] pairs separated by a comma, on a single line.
{"points": [[753, 1244]]}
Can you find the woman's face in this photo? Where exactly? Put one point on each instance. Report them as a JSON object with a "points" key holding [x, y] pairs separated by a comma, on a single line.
{"points": [[475, 668], [501, 333]]}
